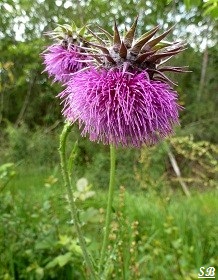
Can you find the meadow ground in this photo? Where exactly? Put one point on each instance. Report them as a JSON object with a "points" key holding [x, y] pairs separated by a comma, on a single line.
{"points": [[153, 236]]}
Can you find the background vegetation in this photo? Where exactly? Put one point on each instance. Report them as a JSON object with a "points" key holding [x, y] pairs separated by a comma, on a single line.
{"points": [[167, 227]]}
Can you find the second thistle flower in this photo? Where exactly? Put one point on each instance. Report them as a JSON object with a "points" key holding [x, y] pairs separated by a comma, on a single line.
{"points": [[64, 58]]}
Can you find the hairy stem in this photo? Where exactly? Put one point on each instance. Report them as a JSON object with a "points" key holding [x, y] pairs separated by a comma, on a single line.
{"points": [[73, 208], [109, 206]]}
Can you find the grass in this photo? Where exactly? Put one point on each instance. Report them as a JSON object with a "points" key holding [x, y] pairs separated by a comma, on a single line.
{"points": [[153, 237]]}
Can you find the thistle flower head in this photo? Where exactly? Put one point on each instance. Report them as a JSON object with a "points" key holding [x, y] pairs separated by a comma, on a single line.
{"points": [[124, 97], [64, 57], [116, 106], [60, 62]]}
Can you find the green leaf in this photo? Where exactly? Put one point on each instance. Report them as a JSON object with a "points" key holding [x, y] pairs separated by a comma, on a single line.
{"points": [[6, 166], [60, 260], [47, 243], [191, 3], [214, 12], [39, 273], [187, 4], [82, 31], [75, 248], [210, 2], [64, 259], [64, 240], [195, 3]]}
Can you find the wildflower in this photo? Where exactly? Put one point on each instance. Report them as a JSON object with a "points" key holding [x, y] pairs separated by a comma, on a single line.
{"points": [[61, 62], [65, 57], [126, 99], [118, 106]]}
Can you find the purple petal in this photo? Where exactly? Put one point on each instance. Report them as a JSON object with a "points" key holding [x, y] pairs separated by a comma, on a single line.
{"points": [[61, 62], [120, 107]]}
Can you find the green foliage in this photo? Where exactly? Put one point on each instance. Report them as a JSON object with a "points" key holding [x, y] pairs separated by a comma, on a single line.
{"points": [[35, 247], [7, 173], [38, 147], [18, 142], [123, 254], [152, 168], [151, 171], [211, 8], [197, 161], [156, 238], [171, 239], [24, 87]]}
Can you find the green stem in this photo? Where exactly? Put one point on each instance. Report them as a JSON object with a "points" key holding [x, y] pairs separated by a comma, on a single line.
{"points": [[73, 208], [109, 206]]}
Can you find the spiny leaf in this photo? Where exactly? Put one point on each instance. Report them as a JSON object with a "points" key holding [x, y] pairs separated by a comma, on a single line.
{"points": [[105, 51], [74, 27]]}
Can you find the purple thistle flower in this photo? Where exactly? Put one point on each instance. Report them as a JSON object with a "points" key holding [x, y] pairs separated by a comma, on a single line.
{"points": [[117, 106], [61, 62]]}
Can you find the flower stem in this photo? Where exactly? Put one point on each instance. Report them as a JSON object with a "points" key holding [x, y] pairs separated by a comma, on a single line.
{"points": [[109, 206], [73, 208]]}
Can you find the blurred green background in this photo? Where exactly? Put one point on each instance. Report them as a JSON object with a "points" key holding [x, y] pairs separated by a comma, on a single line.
{"points": [[168, 226]]}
